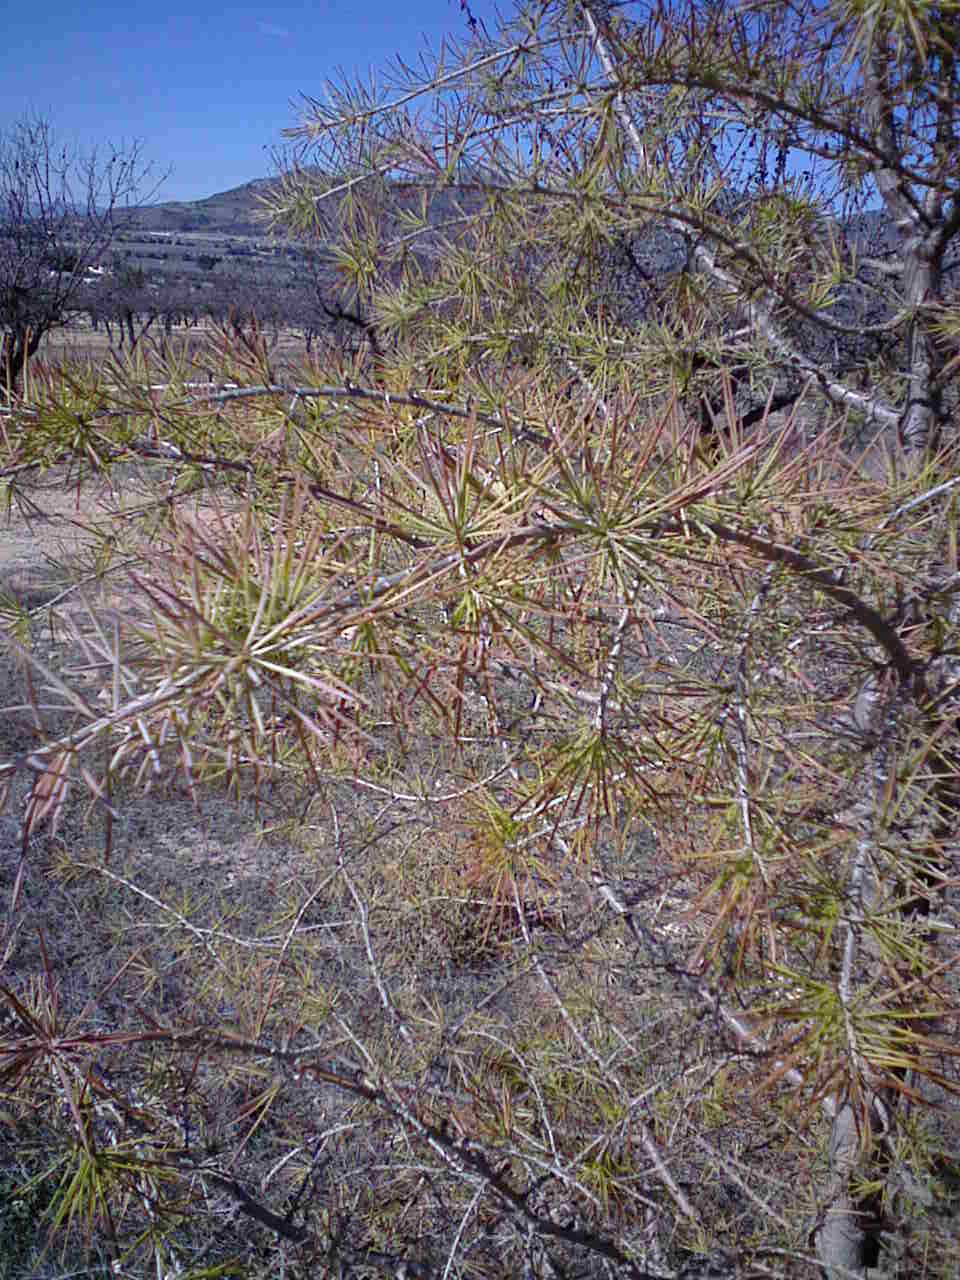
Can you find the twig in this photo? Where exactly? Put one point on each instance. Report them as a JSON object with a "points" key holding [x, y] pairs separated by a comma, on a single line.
{"points": [[388, 1005]]}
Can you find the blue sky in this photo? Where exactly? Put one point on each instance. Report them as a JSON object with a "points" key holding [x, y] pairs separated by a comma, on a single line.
{"points": [[206, 89]]}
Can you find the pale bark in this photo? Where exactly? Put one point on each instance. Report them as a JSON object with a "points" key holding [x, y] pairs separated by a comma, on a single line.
{"points": [[925, 233], [925, 230], [843, 1239]]}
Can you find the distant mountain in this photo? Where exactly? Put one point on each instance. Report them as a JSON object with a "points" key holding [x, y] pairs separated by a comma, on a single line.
{"points": [[238, 212], [234, 212]]}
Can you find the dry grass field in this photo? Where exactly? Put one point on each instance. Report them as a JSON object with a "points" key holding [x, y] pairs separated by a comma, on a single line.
{"points": [[80, 344]]}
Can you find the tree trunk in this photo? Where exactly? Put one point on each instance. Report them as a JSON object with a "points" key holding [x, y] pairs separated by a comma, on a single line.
{"points": [[922, 419], [924, 232], [16, 349], [848, 1240]]}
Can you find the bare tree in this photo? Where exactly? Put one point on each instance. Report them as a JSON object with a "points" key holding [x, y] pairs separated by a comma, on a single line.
{"points": [[59, 215]]}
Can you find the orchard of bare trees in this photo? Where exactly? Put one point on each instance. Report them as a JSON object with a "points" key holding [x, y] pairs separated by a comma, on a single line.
{"points": [[486, 805], [59, 215]]}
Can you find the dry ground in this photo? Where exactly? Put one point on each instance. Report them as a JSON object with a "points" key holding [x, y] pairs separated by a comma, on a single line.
{"points": [[80, 343]]}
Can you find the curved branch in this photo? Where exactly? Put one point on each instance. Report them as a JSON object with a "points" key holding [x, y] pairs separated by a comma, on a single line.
{"points": [[882, 631]]}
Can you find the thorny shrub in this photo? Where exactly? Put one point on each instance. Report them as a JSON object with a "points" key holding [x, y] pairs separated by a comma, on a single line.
{"points": [[487, 811]]}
